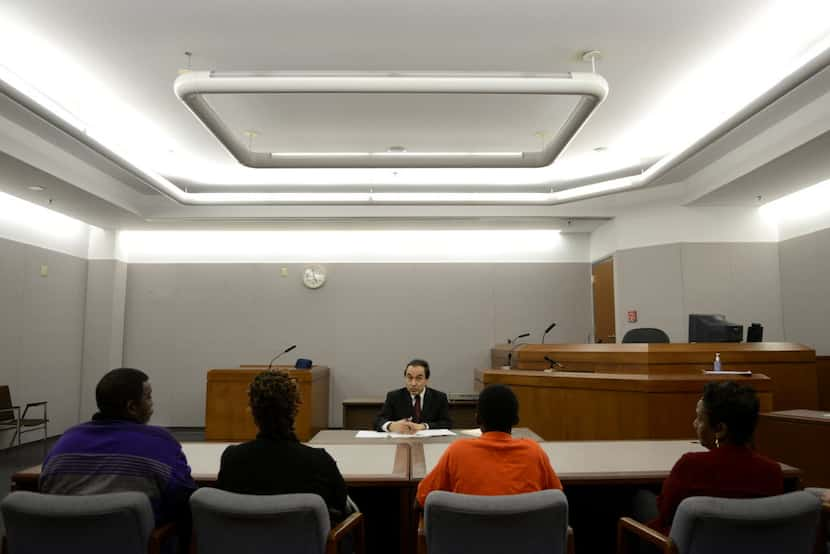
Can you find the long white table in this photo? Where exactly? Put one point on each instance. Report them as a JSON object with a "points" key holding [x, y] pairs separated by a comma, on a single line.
{"points": [[360, 464], [596, 462]]}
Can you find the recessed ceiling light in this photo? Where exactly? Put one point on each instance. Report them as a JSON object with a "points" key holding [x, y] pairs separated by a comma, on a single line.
{"points": [[36, 188]]}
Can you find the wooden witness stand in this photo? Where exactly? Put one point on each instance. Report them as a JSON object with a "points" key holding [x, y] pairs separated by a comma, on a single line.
{"points": [[636, 391], [228, 417]]}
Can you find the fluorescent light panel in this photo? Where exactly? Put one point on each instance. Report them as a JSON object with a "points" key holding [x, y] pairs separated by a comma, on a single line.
{"points": [[808, 202], [448, 246]]}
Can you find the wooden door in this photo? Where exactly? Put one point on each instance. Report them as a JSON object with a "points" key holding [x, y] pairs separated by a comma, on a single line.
{"points": [[602, 280]]}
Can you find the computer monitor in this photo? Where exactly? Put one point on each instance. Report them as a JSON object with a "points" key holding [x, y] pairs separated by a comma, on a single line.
{"points": [[713, 328]]}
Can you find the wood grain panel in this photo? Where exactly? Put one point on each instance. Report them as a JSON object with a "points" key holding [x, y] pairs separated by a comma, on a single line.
{"points": [[792, 367], [799, 438], [823, 377], [228, 417], [605, 406], [602, 283]]}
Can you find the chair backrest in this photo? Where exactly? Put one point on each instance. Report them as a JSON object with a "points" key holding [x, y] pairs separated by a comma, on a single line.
{"points": [[101, 523], [825, 535], [533, 522], [774, 524], [646, 334], [229, 522], [6, 411]]}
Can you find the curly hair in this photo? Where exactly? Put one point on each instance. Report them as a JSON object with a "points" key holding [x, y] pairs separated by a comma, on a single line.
{"points": [[734, 405], [274, 398]]}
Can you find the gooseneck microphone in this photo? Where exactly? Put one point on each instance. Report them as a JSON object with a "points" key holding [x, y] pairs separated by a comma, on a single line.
{"points": [[551, 326], [513, 342], [553, 363], [287, 350]]}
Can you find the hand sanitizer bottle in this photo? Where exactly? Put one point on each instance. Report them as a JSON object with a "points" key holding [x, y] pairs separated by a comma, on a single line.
{"points": [[716, 365]]}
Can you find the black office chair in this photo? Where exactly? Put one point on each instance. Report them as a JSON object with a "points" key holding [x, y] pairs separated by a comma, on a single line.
{"points": [[646, 334], [11, 418]]}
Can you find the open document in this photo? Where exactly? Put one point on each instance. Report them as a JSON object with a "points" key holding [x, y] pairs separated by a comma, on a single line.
{"points": [[424, 433]]}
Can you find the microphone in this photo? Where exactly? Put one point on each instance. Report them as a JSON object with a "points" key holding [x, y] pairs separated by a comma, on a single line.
{"points": [[551, 326], [553, 363], [289, 349], [513, 342]]}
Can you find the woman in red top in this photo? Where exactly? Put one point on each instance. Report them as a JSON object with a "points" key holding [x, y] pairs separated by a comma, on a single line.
{"points": [[725, 422]]}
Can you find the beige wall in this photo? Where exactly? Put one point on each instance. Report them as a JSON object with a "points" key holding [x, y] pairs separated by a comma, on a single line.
{"points": [[366, 322], [41, 330], [666, 283]]}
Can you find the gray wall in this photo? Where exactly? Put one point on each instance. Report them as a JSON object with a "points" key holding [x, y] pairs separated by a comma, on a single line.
{"points": [[366, 322], [41, 330], [805, 289], [666, 283], [106, 289]]}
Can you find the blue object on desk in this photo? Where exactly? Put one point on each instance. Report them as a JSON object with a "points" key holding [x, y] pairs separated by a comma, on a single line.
{"points": [[302, 363]]}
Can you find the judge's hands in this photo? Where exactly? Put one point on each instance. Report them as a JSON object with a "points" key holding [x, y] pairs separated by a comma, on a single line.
{"points": [[405, 426]]}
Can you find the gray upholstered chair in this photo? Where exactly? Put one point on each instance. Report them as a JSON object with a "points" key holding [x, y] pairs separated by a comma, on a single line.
{"points": [[780, 524], [226, 522], [530, 523], [824, 528], [119, 522], [645, 334]]}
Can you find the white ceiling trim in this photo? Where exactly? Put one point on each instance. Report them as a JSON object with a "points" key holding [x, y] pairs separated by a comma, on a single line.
{"points": [[192, 88], [649, 177]]}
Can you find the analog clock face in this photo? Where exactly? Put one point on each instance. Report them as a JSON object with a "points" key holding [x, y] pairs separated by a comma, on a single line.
{"points": [[314, 276]]}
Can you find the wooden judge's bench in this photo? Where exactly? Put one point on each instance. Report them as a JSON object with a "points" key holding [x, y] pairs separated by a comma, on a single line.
{"points": [[641, 391]]}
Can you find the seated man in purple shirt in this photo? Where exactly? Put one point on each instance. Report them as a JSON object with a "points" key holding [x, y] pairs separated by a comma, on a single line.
{"points": [[117, 451]]}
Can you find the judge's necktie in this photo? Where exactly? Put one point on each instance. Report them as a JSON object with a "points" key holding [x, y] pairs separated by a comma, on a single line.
{"points": [[416, 409]]}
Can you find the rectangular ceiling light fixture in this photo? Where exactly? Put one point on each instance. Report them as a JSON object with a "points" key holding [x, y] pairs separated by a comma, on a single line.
{"points": [[370, 120]]}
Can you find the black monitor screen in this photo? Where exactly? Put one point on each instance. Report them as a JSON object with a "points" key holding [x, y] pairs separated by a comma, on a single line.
{"points": [[713, 328]]}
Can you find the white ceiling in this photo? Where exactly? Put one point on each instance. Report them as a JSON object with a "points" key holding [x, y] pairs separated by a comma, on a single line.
{"points": [[675, 70]]}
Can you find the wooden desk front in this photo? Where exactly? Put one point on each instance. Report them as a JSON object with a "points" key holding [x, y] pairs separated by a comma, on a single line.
{"points": [[611, 406], [360, 413], [228, 417], [800, 438], [792, 367]]}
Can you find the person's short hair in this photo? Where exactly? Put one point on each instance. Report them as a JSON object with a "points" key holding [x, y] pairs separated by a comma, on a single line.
{"points": [[734, 405], [117, 388], [498, 408], [274, 398], [418, 362]]}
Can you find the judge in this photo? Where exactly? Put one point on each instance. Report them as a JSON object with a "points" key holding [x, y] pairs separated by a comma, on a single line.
{"points": [[416, 406]]}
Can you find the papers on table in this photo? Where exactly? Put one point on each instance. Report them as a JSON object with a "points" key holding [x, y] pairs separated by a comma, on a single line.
{"points": [[471, 432], [725, 372], [424, 433]]}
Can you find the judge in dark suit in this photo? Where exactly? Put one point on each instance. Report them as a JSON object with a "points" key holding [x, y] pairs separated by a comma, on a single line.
{"points": [[415, 407]]}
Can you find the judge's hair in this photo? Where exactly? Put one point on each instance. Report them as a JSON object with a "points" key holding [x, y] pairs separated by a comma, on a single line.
{"points": [[418, 362]]}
